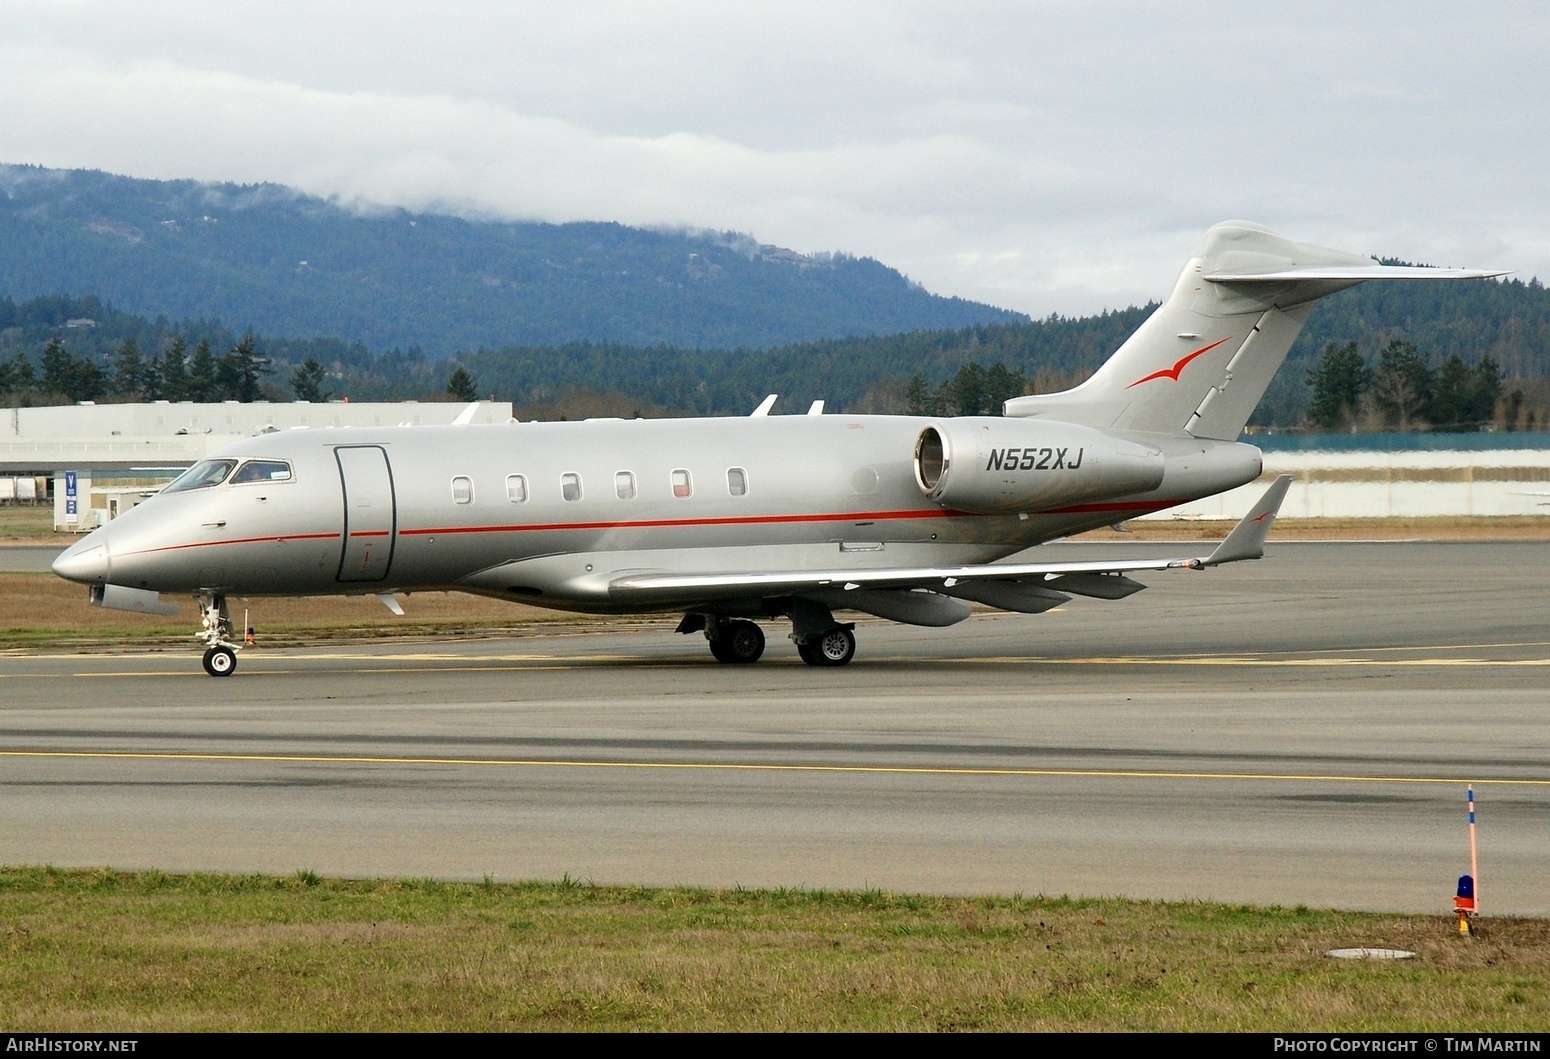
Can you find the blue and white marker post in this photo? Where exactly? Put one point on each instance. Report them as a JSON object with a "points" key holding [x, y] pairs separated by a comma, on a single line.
{"points": [[1467, 903]]}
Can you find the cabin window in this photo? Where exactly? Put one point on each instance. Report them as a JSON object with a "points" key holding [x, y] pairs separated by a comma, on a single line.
{"points": [[202, 475], [682, 486], [262, 471], [570, 486], [737, 481], [516, 488], [462, 490], [624, 485]]}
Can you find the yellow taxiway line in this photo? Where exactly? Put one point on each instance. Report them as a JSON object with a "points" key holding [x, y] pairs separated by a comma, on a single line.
{"points": [[733, 766]]}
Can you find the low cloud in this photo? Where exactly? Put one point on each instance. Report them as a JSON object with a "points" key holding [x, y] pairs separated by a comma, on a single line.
{"points": [[1059, 158]]}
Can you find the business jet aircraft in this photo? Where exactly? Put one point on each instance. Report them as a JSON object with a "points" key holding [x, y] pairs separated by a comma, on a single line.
{"points": [[732, 520]]}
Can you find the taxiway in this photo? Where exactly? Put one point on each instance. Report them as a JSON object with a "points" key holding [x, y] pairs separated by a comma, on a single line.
{"points": [[1294, 731]]}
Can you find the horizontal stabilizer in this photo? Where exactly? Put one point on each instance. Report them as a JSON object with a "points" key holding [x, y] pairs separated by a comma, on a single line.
{"points": [[1358, 274]]}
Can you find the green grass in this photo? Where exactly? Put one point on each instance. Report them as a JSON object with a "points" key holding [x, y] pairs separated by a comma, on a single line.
{"points": [[41, 610], [111, 951], [32, 524]]}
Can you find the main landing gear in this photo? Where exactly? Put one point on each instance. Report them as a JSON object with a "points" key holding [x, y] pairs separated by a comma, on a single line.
{"points": [[834, 647], [220, 649], [820, 640], [737, 642]]}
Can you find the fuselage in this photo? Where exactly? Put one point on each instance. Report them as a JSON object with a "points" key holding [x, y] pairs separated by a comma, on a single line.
{"points": [[415, 508]]}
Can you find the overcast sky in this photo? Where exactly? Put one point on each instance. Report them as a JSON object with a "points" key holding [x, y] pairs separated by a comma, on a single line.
{"points": [[1042, 156]]}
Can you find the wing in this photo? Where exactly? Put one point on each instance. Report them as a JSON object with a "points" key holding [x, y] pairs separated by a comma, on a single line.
{"points": [[1027, 587]]}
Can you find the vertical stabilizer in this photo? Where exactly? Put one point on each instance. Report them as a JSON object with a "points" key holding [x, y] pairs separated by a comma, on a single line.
{"points": [[1200, 364]]}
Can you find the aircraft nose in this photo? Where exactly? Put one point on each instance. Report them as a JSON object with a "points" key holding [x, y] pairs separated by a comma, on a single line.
{"points": [[86, 562]]}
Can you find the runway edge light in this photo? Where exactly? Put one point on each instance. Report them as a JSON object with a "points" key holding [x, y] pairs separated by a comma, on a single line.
{"points": [[1466, 903]]}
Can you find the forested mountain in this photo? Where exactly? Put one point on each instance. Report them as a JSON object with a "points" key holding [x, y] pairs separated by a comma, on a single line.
{"points": [[286, 264], [243, 252], [1507, 322]]}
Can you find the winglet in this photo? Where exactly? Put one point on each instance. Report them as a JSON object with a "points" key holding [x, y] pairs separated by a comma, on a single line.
{"points": [[765, 405], [466, 416], [1247, 539]]}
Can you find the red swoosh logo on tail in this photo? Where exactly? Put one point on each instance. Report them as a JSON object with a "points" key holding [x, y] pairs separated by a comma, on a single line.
{"points": [[1174, 372]]}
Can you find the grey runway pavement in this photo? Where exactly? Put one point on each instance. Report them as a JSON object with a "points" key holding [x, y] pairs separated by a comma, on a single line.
{"points": [[1294, 731], [27, 558]]}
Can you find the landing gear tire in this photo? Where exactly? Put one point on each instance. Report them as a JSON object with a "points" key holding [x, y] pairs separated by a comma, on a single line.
{"points": [[738, 643], [833, 647], [220, 661]]}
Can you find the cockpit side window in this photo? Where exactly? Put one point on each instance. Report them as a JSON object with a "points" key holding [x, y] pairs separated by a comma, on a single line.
{"points": [[202, 475], [262, 471]]}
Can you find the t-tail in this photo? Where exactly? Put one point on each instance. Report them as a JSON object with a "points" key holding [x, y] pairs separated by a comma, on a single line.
{"points": [[1200, 364]]}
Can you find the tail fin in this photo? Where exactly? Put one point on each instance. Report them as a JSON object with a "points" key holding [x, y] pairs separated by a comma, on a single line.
{"points": [[1202, 361]]}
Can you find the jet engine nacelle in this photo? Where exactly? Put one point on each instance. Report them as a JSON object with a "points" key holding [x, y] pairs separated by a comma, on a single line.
{"points": [[992, 466]]}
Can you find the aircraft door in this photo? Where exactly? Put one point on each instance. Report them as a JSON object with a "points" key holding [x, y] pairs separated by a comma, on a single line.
{"points": [[370, 516]]}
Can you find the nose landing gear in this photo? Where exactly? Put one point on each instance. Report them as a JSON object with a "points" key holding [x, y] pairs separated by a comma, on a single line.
{"points": [[220, 658]]}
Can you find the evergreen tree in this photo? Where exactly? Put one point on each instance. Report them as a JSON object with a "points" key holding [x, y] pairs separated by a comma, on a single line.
{"points": [[1001, 385], [59, 369], [1465, 397], [77, 378], [174, 371], [461, 385], [307, 381], [131, 375], [1339, 383], [1484, 392], [203, 382], [917, 395], [22, 374], [1452, 402], [90, 382], [969, 394], [1514, 408], [240, 370]]}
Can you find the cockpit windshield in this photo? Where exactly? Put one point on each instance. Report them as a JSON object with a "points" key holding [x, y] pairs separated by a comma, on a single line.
{"points": [[202, 475], [262, 471]]}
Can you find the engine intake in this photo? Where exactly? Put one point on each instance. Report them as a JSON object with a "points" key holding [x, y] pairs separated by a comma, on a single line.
{"points": [[992, 466]]}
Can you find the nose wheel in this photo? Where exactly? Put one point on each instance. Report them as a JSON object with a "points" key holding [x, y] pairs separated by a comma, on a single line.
{"points": [[220, 658], [220, 661]]}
